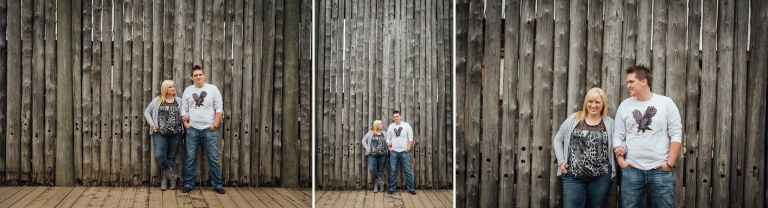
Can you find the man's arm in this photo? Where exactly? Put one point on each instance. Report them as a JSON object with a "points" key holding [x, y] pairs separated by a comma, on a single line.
{"points": [[675, 129], [218, 104], [410, 138]]}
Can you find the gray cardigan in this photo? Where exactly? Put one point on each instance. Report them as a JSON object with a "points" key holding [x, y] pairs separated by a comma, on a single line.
{"points": [[367, 140], [150, 113], [562, 141]]}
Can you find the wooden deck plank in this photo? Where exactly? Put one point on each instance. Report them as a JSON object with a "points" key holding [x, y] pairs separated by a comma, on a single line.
{"points": [[60, 193], [263, 197], [142, 198], [224, 199], [169, 197], [279, 198], [98, 198], [293, 199], [197, 198], [6, 189], [182, 199], [438, 199], [80, 200], [370, 197], [418, 200], [31, 196], [252, 199], [128, 197], [66, 200], [328, 199], [12, 199], [42, 198], [155, 198], [360, 198], [210, 197], [349, 198], [238, 198], [378, 200], [301, 196], [115, 196]]}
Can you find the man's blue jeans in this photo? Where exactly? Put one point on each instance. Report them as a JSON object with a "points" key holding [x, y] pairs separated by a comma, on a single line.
{"points": [[585, 192], [400, 159], [376, 166], [165, 149], [210, 140], [660, 184]]}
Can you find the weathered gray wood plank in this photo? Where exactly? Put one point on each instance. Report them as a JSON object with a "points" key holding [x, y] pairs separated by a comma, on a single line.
{"points": [[107, 133], [77, 32], [754, 190], [577, 60], [707, 106], [644, 31], [738, 147], [258, 35], [525, 90], [691, 150], [490, 130], [52, 88], [509, 117], [11, 159], [659, 43], [247, 100], [27, 68], [38, 87], [559, 90], [277, 117], [595, 35], [722, 157], [473, 87], [675, 74], [267, 95]]}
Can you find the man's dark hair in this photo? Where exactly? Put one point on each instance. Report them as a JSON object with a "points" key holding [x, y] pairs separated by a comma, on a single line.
{"points": [[396, 112], [195, 68], [641, 72]]}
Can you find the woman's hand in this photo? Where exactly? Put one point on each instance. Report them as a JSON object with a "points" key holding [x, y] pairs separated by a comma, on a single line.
{"points": [[622, 162], [563, 168], [186, 125], [154, 128]]}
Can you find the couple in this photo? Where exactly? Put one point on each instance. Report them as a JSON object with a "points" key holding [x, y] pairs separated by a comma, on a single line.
{"points": [[199, 112], [397, 141], [645, 140]]}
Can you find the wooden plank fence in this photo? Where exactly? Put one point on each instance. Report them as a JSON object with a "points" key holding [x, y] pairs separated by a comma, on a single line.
{"points": [[522, 70], [375, 57], [257, 52]]}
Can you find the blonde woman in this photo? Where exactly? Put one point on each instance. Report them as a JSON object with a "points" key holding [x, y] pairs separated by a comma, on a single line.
{"points": [[164, 118], [375, 144], [584, 156]]}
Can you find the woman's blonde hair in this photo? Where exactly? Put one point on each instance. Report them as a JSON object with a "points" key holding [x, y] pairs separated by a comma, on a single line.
{"points": [[376, 124], [592, 95], [164, 88]]}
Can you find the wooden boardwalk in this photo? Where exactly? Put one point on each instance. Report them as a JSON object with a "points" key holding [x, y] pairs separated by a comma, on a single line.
{"points": [[44, 196], [366, 198]]}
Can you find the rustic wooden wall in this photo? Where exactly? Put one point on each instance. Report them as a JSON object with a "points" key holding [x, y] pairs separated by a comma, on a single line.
{"points": [[257, 52], [375, 57], [547, 53]]}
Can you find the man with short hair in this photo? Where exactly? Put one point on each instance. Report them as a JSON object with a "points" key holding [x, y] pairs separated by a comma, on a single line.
{"points": [[646, 142], [201, 109], [400, 143]]}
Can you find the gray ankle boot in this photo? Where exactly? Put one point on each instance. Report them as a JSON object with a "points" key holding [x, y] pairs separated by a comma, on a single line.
{"points": [[376, 186], [172, 176], [163, 180]]}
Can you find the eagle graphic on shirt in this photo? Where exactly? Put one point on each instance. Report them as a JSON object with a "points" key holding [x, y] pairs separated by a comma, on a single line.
{"points": [[398, 131], [644, 120], [199, 99]]}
